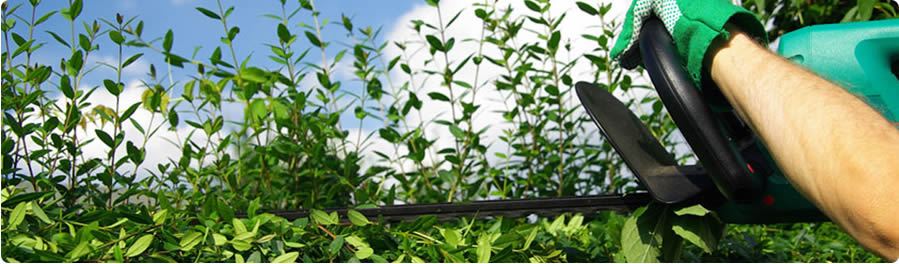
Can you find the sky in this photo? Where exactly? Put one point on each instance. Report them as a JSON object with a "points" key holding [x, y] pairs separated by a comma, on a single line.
{"points": [[193, 30]]}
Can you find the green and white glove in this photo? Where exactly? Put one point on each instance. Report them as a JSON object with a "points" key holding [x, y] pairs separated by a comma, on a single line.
{"points": [[693, 24]]}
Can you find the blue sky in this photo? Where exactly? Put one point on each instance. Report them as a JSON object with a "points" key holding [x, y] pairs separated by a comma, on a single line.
{"points": [[192, 30]]}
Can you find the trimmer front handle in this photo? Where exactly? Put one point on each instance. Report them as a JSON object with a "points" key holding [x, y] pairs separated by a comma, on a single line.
{"points": [[743, 171], [708, 139]]}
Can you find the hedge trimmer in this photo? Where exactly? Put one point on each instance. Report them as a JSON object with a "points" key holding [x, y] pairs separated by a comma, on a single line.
{"points": [[735, 176]]}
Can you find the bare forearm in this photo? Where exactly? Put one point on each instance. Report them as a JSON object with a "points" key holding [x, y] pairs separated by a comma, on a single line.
{"points": [[835, 149]]}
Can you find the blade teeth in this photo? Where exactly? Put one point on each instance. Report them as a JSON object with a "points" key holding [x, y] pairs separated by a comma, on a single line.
{"points": [[542, 208]]}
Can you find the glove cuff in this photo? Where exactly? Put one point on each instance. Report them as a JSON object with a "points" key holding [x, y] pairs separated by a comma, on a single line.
{"points": [[694, 33]]}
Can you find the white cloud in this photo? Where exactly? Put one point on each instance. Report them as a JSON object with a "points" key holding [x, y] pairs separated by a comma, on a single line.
{"points": [[468, 27], [159, 149], [491, 101], [128, 5]]}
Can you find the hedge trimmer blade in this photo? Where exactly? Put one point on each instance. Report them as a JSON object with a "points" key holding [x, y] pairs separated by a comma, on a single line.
{"points": [[653, 165], [492, 208]]}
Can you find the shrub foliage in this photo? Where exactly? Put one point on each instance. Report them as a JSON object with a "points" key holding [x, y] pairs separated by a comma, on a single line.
{"points": [[296, 144]]}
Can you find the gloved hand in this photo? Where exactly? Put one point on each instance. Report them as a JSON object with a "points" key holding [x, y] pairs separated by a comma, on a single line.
{"points": [[693, 25]]}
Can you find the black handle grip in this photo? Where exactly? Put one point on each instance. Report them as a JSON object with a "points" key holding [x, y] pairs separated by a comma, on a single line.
{"points": [[692, 115]]}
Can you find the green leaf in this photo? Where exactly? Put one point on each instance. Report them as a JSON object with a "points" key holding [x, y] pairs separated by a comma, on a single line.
{"points": [[59, 39], [335, 245], [480, 13], [463, 84], [283, 33], [364, 252], [258, 109], [76, 9], [313, 39], [452, 236], [553, 43], [760, 4], [232, 33], [241, 245], [323, 218], [160, 216], [190, 240], [80, 250], [239, 227], [139, 246], [72, 12], [357, 218], [356, 241], [347, 24], [139, 29], [175, 60], [438, 96], [532, 6], [457, 132], [140, 217], [104, 137], [65, 86], [360, 112], [850, 15], [530, 238], [485, 244], [434, 42], [130, 111], [266, 238], [167, 41], [44, 18], [290, 257], [449, 46], [574, 224], [116, 37], [294, 245], [118, 254], [17, 215], [224, 210], [173, 118], [39, 213], [696, 210], [587, 8], [643, 233], [246, 237], [209, 13], [556, 225], [219, 239], [24, 197], [702, 231], [112, 87], [865, 9], [254, 74], [131, 59]]}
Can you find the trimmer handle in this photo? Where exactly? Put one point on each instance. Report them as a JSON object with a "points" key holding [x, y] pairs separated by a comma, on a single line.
{"points": [[706, 135]]}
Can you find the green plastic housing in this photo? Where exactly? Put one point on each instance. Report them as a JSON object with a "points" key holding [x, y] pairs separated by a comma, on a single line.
{"points": [[863, 58]]}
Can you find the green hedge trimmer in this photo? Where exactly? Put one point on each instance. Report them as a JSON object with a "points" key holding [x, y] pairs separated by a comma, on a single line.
{"points": [[735, 176]]}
